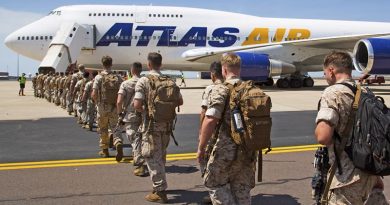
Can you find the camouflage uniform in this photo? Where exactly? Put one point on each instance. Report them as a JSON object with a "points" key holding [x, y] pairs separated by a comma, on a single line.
{"points": [[230, 173], [34, 84], [206, 93], [53, 88], [39, 85], [353, 186], [63, 93], [106, 113], [77, 98], [132, 119], [75, 78], [155, 140], [82, 105], [69, 98], [91, 107]]}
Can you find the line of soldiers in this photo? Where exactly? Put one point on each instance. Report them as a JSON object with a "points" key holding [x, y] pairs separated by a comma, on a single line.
{"points": [[70, 90]]}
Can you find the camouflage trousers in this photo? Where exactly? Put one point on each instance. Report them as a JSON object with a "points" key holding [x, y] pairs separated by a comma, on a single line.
{"points": [[41, 92], [48, 95], [57, 99], [134, 137], [63, 98], [107, 119], [229, 178], [69, 102], [83, 112], [35, 91], [358, 193], [91, 109], [154, 150]]}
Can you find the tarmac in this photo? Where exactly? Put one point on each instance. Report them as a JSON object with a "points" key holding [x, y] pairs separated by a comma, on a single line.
{"points": [[46, 158]]}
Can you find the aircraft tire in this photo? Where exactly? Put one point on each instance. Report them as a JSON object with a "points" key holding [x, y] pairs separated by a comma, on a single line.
{"points": [[282, 83], [295, 83], [269, 82], [308, 82]]}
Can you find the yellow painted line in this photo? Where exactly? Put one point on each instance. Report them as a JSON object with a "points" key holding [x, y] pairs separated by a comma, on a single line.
{"points": [[108, 161]]}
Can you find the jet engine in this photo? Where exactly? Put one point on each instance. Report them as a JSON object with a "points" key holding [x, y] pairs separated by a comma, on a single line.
{"points": [[372, 56]]}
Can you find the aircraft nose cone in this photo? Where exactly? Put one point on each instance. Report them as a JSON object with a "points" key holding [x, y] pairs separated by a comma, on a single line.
{"points": [[10, 40]]}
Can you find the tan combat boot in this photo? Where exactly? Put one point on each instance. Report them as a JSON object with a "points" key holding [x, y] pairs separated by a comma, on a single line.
{"points": [[104, 153], [141, 171], [119, 152], [157, 197]]}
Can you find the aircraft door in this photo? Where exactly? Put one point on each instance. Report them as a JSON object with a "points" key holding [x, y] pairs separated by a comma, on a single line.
{"points": [[141, 14], [89, 37]]}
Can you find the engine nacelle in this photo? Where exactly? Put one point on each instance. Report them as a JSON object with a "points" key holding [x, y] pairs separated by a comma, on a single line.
{"points": [[372, 56], [259, 67]]}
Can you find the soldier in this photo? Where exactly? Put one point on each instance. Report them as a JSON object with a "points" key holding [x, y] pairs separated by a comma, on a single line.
{"points": [[60, 88], [351, 186], [131, 118], [82, 105], [40, 85], [105, 93], [217, 78], [230, 173], [53, 87], [91, 106], [155, 133], [47, 86], [77, 75], [69, 100], [35, 84]]}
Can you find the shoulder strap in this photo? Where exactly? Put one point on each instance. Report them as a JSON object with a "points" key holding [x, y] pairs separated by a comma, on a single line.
{"points": [[344, 139]]}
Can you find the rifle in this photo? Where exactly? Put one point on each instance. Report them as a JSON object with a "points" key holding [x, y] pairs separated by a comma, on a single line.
{"points": [[318, 182]]}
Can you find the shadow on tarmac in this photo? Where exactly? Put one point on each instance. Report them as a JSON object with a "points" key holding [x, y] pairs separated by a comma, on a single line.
{"points": [[274, 199], [174, 169], [186, 196]]}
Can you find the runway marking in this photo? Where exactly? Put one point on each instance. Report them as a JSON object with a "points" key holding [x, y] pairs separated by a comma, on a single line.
{"points": [[108, 161]]}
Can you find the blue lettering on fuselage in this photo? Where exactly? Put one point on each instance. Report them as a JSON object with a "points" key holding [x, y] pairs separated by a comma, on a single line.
{"points": [[121, 33]]}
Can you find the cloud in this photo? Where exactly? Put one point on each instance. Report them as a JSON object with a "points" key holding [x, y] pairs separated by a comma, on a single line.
{"points": [[10, 21]]}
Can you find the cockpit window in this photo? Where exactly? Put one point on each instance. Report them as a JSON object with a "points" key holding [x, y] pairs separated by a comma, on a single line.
{"points": [[58, 13]]}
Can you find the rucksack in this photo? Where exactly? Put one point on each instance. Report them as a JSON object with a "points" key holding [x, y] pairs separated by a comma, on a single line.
{"points": [[248, 102], [110, 88], [369, 145], [163, 99]]}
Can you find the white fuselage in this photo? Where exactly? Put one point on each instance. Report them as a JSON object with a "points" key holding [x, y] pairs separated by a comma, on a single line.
{"points": [[129, 33]]}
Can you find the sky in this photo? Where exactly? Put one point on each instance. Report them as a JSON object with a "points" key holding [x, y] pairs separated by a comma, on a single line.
{"points": [[17, 13]]}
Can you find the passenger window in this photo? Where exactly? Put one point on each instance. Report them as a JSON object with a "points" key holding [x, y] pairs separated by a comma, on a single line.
{"points": [[127, 14], [108, 14], [23, 38], [99, 14], [18, 37], [123, 14], [135, 37], [177, 16], [159, 15], [150, 15], [28, 38], [238, 38], [117, 14], [32, 37], [154, 37], [94, 14], [181, 16], [45, 37], [163, 15], [104, 14], [51, 37], [41, 37], [132, 15], [90, 14]]}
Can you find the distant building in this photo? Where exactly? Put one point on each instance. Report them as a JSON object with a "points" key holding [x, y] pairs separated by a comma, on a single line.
{"points": [[4, 76]]}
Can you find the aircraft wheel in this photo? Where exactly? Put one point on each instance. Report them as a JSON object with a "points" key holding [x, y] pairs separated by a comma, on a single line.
{"points": [[295, 83], [282, 83], [308, 82], [270, 82]]}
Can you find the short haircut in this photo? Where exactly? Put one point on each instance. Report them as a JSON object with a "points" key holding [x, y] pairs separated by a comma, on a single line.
{"points": [[86, 74], [61, 73], [57, 73], [216, 69], [137, 67], [66, 72], [155, 59], [94, 74], [81, 67], [231, 61], [107, 61], [341, 61]]}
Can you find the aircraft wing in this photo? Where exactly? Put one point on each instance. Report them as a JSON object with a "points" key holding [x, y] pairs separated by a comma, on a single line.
{"points": [[208, 55]]}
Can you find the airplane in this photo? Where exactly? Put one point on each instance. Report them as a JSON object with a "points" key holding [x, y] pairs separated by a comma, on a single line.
{"points": [[189, 39]]}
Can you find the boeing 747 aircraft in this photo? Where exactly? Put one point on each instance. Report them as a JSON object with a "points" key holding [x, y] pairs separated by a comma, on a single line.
{"points": [[189, 39]]}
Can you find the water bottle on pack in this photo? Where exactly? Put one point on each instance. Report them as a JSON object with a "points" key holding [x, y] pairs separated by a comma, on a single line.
{"points": [[237, 120]]}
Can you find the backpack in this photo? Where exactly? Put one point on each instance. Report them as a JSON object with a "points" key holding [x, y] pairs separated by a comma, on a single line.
{"points": [[369, 145], [248, 102], [67, 81], [164, 96], [110, 88]]}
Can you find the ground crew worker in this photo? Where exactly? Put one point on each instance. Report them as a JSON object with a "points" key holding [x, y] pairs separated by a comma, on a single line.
{"points": [[182, 79], [131, 119], [22, 84], [217, 78], [35, 84], [230, 173], [155, 135], [91, 106], [106, 107], [352, 186]]}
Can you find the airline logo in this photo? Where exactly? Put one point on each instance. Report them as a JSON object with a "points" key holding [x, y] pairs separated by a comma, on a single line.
{"points": [[122, 34]]}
